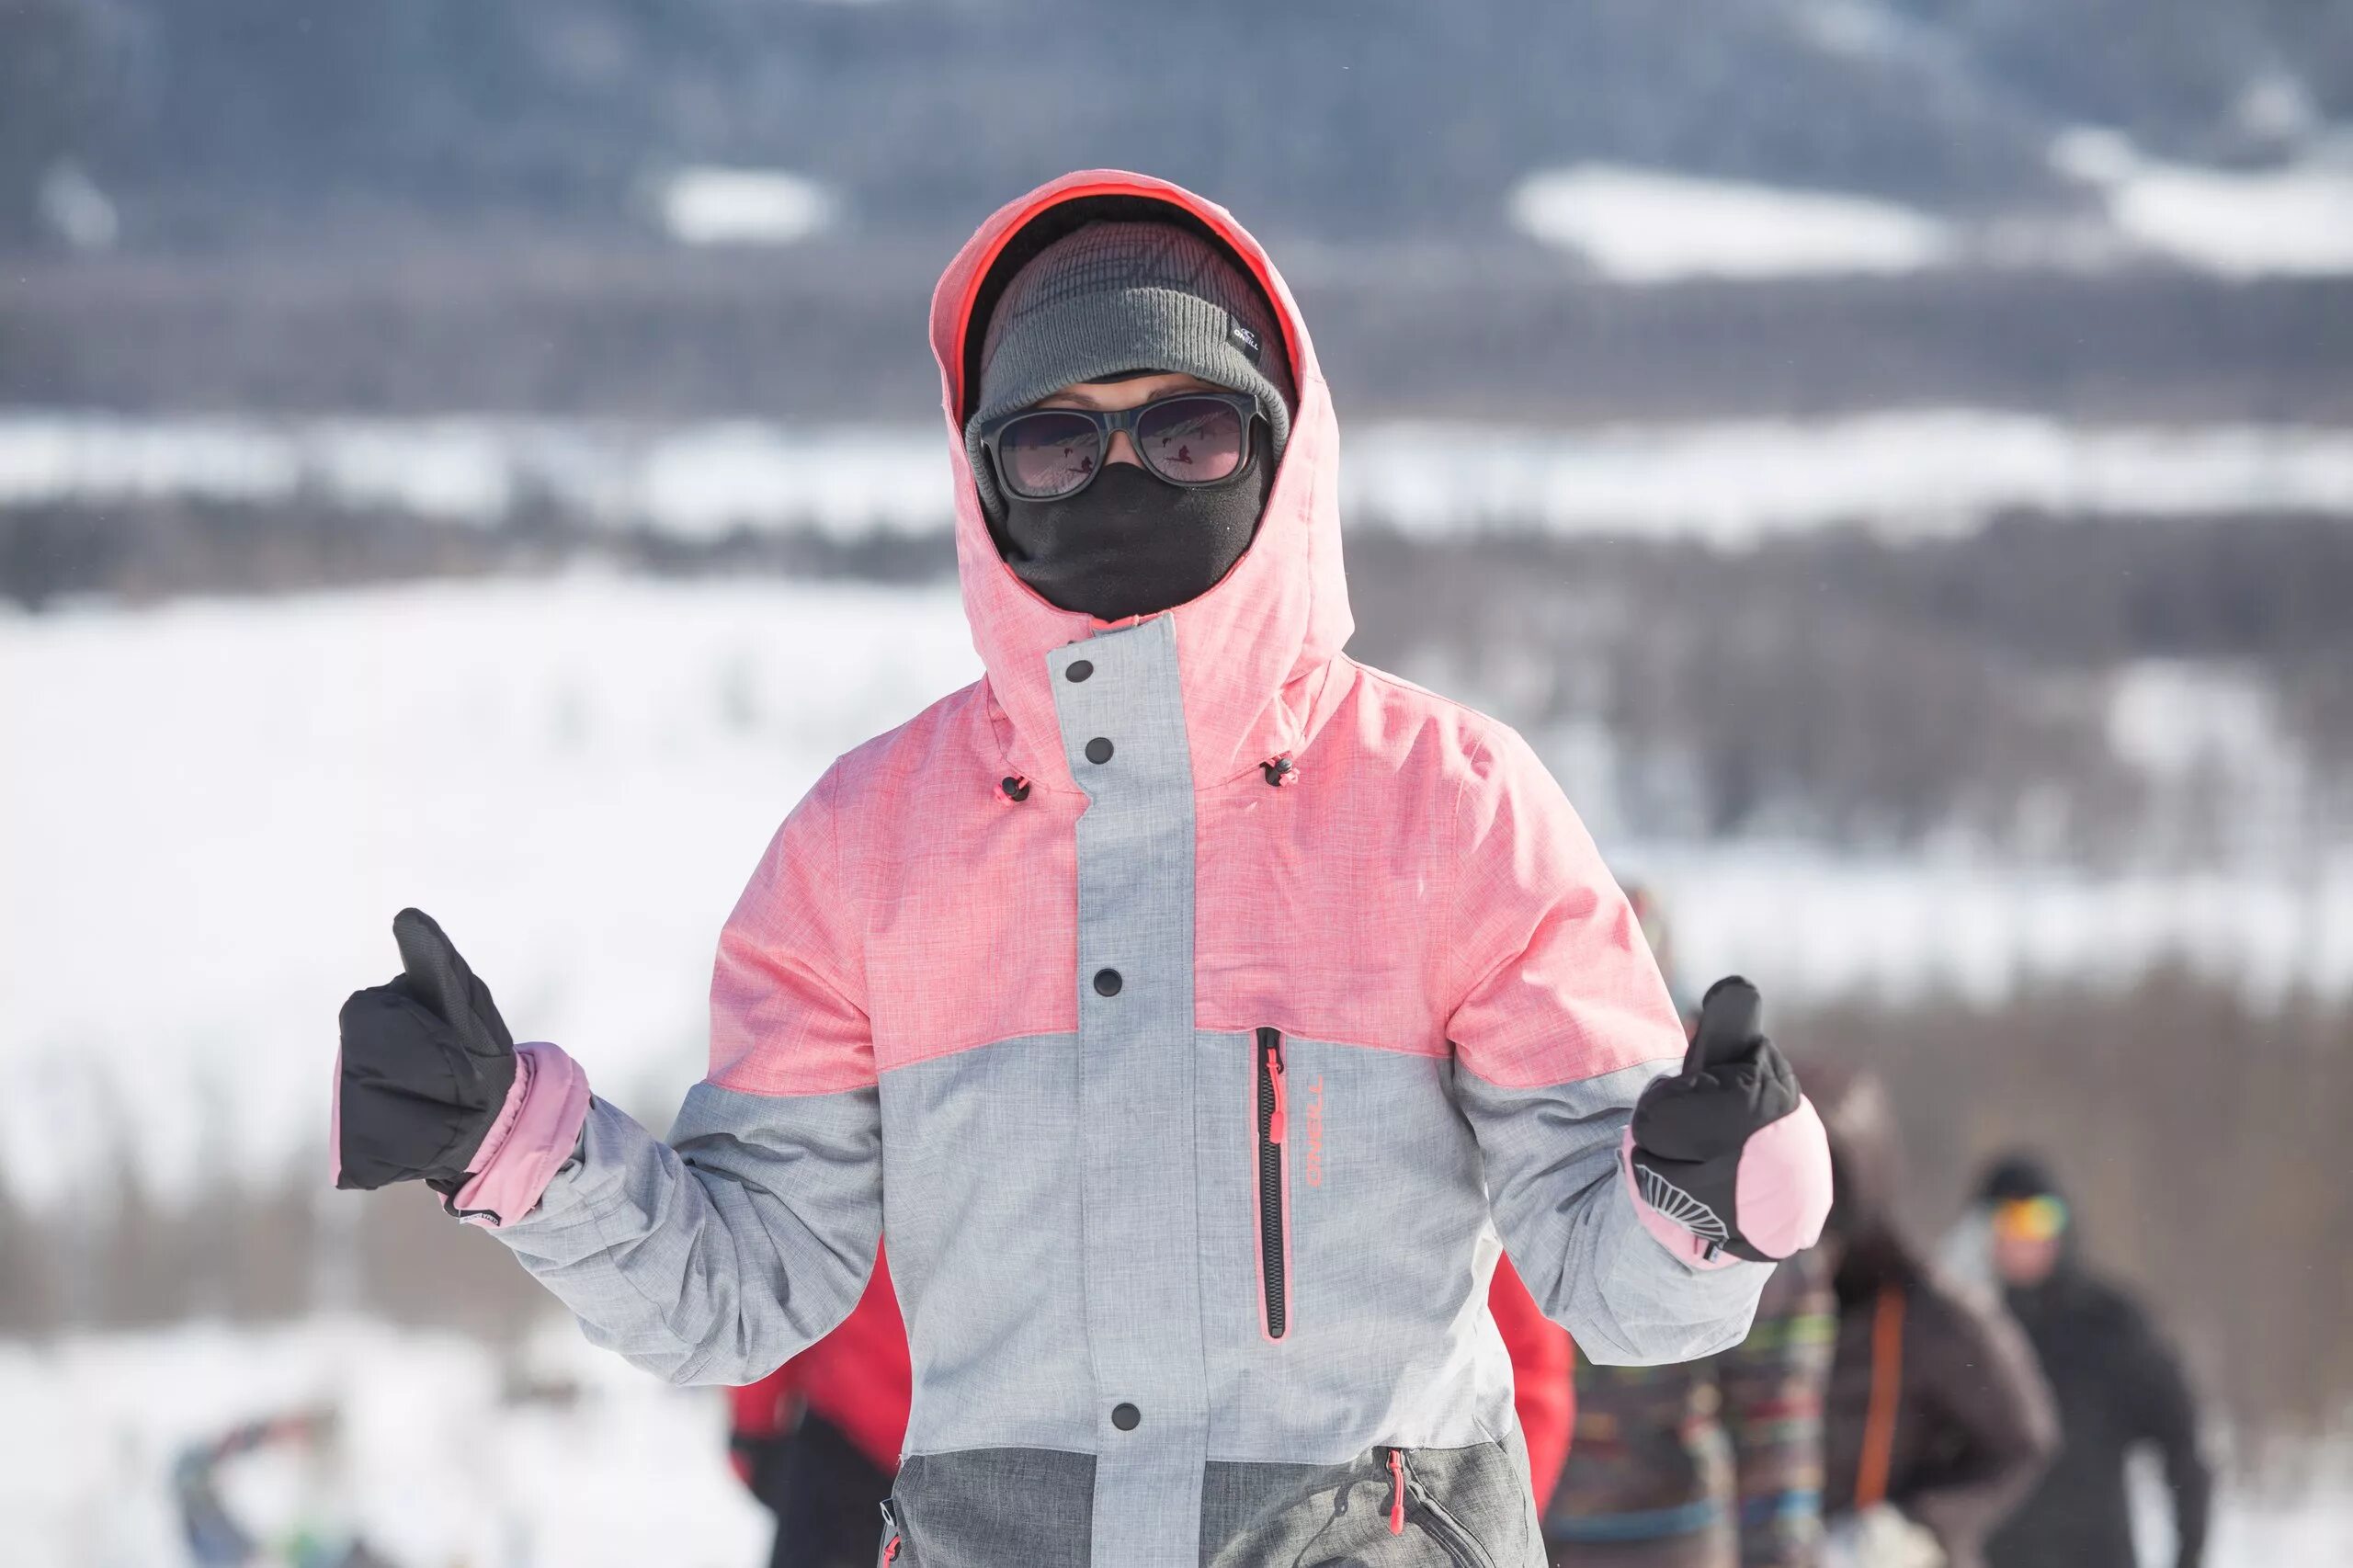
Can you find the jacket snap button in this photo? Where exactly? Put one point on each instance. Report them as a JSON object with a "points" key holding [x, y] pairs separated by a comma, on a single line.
{"points": [[1079, 669], [1107, 982], [1125, 1416], [1098, 750]]}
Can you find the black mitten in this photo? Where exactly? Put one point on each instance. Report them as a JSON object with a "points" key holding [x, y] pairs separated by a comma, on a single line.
{"points": [[426, 1066], [1735, 1102]]}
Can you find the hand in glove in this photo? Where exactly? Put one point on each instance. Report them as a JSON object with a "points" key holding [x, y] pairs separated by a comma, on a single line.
{"points": [[427, 1070], [1729, 1148]]}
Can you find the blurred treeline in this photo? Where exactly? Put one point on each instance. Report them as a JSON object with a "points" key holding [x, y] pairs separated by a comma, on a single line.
{"points": [[2201, 1137], [1963, 693]]}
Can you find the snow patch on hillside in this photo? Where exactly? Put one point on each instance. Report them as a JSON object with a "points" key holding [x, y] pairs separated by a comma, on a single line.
{"points": [[1649, 226], [713, 205], [2294, 217]]}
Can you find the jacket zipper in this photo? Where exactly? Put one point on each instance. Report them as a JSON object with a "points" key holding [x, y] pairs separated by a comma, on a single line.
{"points": [[891, 1524], [1459, 1545], [1274, 1250]]}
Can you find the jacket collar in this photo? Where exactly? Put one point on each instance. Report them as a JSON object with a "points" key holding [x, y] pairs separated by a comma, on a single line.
{"points": [[1255, 654]]}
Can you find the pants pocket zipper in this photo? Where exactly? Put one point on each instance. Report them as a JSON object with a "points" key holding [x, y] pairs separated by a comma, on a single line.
{"points": [[1406, 1491]]}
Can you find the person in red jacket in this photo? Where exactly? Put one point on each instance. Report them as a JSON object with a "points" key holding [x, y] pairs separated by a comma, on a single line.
{"points": [[817, 1440]]}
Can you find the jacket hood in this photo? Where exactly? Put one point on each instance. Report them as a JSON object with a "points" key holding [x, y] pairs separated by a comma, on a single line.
{"points": [[1254, 654]]}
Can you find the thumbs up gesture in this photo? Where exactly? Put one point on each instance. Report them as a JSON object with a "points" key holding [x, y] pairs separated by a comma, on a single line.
{"points": [[1730, 1149], [426, 1068]]}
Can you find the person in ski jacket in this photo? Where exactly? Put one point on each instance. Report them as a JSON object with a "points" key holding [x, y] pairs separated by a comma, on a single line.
{"points": [[1198, 1012], [1707, 1463], [1936, 1423], [817, 1440], [1710, 1464], [2118, 1384]]}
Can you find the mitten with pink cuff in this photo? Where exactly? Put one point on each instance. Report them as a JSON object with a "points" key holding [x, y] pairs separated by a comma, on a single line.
{"points": [[1727, 1160], [431, 1087]]}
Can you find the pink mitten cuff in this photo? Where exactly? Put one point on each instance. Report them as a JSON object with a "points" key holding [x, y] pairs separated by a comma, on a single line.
{"points": [[536, 1132]]}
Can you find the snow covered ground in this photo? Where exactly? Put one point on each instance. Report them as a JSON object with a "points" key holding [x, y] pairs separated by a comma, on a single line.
{"points": [[1923, 472], [210, 813], [604, 1469]]}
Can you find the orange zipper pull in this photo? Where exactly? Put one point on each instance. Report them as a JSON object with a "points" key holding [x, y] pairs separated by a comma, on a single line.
{"points": [[1275, 1123], [1397, 1493]]}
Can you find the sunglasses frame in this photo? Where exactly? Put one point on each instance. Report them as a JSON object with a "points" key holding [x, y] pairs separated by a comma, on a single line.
{"points": [[1109, 422]]}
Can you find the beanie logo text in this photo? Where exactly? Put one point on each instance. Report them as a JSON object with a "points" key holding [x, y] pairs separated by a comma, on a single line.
{"points": [[1242, 337]]}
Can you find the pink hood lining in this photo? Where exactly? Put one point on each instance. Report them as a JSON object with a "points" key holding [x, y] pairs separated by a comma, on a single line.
{"points": [[1254, 654]]}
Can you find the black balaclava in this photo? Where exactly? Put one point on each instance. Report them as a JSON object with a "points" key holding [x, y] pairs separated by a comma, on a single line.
{"points": [[1132, 543], [1109, 301]]}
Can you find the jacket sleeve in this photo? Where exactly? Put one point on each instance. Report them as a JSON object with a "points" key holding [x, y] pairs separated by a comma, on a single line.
{"points": [[750, 1233], [1979, 1377], [1543, 1392], [2164, 1414], [1772, 1385], [1560, 1021]]}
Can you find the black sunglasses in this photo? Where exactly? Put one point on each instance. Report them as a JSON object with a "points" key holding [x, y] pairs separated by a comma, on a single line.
{"points": [[1191, 438]]}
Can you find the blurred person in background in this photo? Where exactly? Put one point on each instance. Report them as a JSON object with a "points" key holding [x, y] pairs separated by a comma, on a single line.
{"points": [[2119, 1385], [1936, 1423], [1206, 1010], [817, 1440], [1706, 1463], [217, 1538]]}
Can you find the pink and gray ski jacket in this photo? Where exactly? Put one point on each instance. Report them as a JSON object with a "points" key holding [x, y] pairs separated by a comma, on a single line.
{"points": [[1200, 1014]]}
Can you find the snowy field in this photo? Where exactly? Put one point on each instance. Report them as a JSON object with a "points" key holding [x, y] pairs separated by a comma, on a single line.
{"points": [[1734, 482], [225, 802], [602, 1468]]}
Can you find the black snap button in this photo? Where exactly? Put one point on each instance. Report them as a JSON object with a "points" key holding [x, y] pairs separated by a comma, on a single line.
{"points": [[1098, 750], [1078, 669], [1126, 1417], [1107, 982]]}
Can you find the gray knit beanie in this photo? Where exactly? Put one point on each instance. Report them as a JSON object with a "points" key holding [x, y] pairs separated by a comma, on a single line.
{"points": [[1108, 299]]}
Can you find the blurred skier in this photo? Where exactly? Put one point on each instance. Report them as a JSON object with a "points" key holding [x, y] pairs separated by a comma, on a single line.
{"points": [[1207, 1010], [216, 1537], [1936, 1423], [2118, 1386], [1706, 1463]]}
